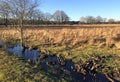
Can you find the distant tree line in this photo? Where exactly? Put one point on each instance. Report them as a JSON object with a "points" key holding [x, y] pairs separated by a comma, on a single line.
{"points": [[59, 17], [25, 11], [32, 17], [96, 20]]}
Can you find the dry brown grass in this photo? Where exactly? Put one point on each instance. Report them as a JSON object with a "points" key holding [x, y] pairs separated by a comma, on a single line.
{"points": [[90, 35]]}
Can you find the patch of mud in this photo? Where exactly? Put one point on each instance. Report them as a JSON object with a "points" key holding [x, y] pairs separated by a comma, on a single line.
{"points": [[83, 72]]}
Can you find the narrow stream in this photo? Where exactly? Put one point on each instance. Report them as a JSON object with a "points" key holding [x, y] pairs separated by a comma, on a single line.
{"points": [[59, 62]]}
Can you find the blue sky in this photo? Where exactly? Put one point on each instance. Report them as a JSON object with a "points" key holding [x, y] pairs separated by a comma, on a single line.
{"points": [[77, 8]]}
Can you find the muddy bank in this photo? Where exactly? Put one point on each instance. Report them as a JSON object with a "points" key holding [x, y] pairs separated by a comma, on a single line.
{"points": [[80, 72]]}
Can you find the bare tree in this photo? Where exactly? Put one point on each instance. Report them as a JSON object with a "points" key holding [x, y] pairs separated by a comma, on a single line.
{"points": [[104, 20], [60, 16], [20, 10], [47, 18], [39, 16], [111, 20], [83, 20], [90, 19], [4, 12], [36, 17], [99, 19]]}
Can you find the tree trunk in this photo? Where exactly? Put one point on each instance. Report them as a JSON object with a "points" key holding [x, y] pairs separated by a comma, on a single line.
{"points": [[6, 20], [21, 36], [21, 32]]}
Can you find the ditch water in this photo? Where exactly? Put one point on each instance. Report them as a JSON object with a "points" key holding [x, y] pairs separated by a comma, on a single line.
{"points": [[59, 62]]}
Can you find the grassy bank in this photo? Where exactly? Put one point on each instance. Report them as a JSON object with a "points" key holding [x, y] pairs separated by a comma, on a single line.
{"points": [[14, 69]]}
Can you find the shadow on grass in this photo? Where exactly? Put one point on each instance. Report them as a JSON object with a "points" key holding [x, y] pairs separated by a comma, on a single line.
{"points": [[61, 68]]}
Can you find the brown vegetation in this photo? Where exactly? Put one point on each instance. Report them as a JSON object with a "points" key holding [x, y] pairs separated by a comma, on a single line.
{"points": [[100, 35]]}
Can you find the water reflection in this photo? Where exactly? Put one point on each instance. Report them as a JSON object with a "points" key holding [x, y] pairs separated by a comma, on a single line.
{"points": [[33, 55], [16, 50]]}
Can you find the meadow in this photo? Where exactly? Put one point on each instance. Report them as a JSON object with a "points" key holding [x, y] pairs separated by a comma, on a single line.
{"points": [[75, 35], [76, 42]]}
